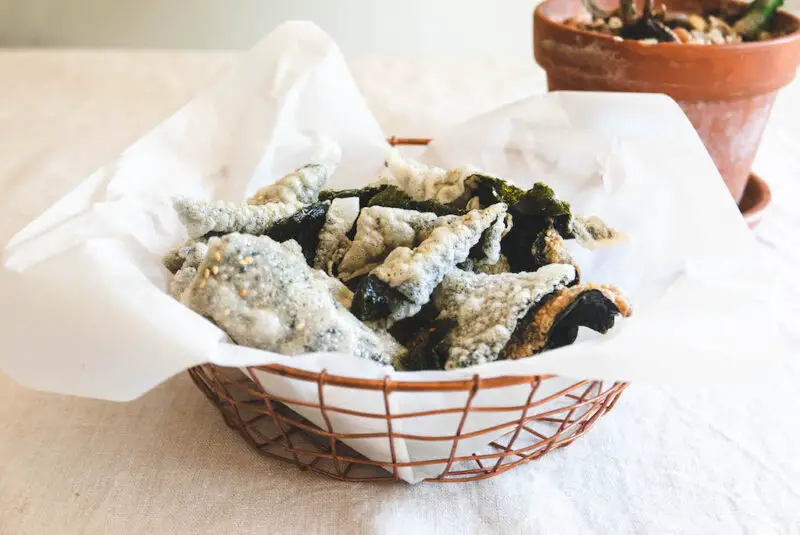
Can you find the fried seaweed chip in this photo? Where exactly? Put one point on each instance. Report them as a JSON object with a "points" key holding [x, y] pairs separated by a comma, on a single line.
{"points": [[278, 303], [379, 230], [555, 322], [303, 226], [217, 218], [301, 186], [488, 308], [415, 273]]}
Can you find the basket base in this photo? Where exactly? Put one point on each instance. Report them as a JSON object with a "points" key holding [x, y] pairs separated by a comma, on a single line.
{"points": [[273, 429]]}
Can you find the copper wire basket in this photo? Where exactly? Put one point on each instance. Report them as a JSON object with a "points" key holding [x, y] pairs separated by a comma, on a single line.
{"points": [[444, 431]]}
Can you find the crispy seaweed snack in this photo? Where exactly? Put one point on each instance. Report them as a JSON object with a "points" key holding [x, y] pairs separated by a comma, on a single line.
{"points": [[482, 323], [380, 230], [426, 269], [555, 323], [221, 217], [405, 281], [264, 295], [300, 186]]}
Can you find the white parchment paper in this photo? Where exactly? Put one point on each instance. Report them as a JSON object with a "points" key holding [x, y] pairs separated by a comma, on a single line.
{"points": [[84, 292]]}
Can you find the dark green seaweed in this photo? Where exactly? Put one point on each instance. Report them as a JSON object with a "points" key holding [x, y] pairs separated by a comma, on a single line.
{"points": [[518, 243], [425, 349], [353, 283], [492, 190], [535, 212], [304, 227], [394, 197], [374, 299], [407, 329], [540, 202], [590, 309], [364, 194]]}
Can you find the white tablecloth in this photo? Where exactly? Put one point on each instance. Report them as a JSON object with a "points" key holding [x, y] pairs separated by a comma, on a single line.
{"points": [[703, 459]]}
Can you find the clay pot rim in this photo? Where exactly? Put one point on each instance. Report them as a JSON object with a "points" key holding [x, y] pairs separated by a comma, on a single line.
{"points": [[631, 44]]}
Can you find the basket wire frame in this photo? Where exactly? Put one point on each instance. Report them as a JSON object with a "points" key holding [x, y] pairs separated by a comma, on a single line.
{"points": [[268, 424]]}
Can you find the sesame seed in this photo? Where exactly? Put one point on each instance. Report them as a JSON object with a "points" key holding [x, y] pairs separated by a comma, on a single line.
{"points": [[202, 284], [227, 311], [206, 273], [215, 269], [218, 256]]}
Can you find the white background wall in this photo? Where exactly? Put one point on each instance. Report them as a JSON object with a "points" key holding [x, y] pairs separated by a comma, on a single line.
{"points": [[397, 27]]}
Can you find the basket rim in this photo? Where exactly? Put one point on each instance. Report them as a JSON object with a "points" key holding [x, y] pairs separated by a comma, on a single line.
{"points": [[387, 383], [394, 140]]}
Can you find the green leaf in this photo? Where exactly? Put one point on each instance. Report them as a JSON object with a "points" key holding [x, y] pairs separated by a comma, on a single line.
{"points": [[757, 18]]}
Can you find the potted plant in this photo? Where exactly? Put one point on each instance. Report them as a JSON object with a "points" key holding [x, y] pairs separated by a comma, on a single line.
{"points": [[724, 80]]}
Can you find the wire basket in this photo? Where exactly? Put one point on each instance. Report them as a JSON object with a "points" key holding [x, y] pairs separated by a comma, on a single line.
{"points": [[443, 431]]}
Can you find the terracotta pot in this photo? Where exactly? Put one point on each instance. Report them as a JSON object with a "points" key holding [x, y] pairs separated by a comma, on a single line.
{"points": [[726, 90]]}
